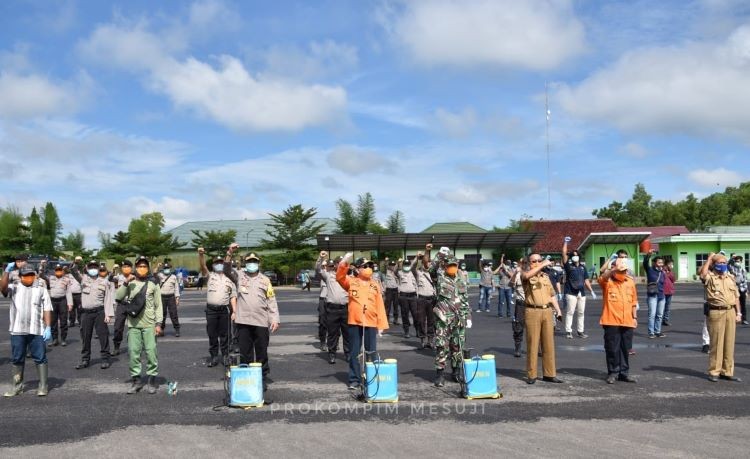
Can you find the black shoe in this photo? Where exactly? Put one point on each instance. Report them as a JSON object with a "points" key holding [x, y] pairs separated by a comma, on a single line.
{"points": [[331, 358], [729, 378], [552, 379], [517, 353], [665, 323], [660, 335], [323, 346], [105, 365], [116, 351], [213, 361], [82, 364], [611, 379], [626, 378], [136, 386], [353, 386], [407, 335], [151, 389], [395, 322], [63, 343], [176, 332], [56, 342], [705, 348], [530, 381], [439, 379], [713, 378]]}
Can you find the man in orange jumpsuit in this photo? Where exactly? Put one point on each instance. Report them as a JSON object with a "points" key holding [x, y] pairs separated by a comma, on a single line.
{"points": [[619, 317]]}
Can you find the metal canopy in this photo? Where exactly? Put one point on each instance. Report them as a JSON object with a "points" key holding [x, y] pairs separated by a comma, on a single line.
{"points": [[362, 242], [614, 238]]}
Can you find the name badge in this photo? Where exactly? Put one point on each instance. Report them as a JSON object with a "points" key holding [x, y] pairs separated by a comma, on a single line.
{"points": [[244, 290]]}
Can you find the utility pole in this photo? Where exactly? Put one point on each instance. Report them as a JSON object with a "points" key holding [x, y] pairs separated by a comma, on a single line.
{"points": [[546, 135]]}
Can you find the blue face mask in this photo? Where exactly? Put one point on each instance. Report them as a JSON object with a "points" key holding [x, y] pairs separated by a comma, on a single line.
{"points": [[167, 271], [407, 269], [93, 272], [252, 267], [721, 268], [219, 268]]}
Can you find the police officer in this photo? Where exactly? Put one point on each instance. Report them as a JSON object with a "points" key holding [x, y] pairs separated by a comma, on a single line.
{"points": [[539, 325], [97, 310], [391, 290], [322, 334], [724, 313], [407, 294], [221, 293], [62, 300], [120, 310], [256, 312], [453, 317], [170, 297], [75, 288], [425, 319], [337, 300]]}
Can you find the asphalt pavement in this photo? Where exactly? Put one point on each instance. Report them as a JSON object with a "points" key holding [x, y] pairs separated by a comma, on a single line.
{"points": [[672, 411]]}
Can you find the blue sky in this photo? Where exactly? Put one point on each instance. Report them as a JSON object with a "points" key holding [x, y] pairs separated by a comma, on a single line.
{"points": [[221, 109]]}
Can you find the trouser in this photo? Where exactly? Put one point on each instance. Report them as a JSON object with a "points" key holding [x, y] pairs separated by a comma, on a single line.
{"points": [[76, 312], [743, 305], [705, 337], [392, 303], [322, 335], [449, 340], [655, 314], [169, 304], [60, 318], [540, 329], [336, 325], [518, 322], [504, 301], [484, 298], [424, 322], [721, 328], [121, 317], [667, 304], [90, 319], [35, 345], [617, 343], [142, 339], [254, 345], [217, 328], [408, 303], [576, 305], [355, 338]]}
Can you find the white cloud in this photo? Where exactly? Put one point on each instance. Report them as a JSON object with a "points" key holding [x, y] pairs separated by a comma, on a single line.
{"points": [[696, 88], [31, 95], [319, 60], [532, 34], [356, 161], [458, 124], [634, 150], [710, 178]]}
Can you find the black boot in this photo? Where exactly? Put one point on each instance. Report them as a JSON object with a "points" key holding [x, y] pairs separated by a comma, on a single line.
{"points": [[439, 379], [116, 351], [136, 385], [151, 385], [82, 364], [213, 361], [332, 358], [517, 352], [176, 332]]}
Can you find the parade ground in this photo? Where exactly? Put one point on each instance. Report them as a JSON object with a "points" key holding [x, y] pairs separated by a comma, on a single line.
{"points": [[672, 411]]}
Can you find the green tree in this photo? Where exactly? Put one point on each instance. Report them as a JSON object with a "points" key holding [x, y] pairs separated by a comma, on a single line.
{"points": [[359, 220], [14, 233], [117, 246], [396, 223], [36, 231], [293, 232], [146, 236], [214, 242], [74, 243]]}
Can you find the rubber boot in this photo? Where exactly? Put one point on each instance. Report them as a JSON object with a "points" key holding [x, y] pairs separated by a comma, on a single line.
{"points": [[41, 370], [439, 379], [151, 385], [17, 388], [136, 386]]}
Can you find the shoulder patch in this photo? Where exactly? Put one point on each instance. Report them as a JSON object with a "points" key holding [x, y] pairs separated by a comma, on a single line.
{"points": [[269, 291]]}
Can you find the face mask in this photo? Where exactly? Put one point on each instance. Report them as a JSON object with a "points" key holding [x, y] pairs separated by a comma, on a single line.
{"points": [[93, 272], [375, 269], [252, 267], [407, 269], [619, 275], [486, 268], [167, 271], [451, 270], [58, 274], [127, 270], [365, 273], [142, 271], [28, 281], [738, 264], [219, 268], [463, 267], [575, 258], [721, 268]]}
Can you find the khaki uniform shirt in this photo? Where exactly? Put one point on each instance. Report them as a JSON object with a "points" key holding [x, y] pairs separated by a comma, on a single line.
{"points": [[407, 283], [169, 284], [424, 284], [538, 290], [75, 286], [256, 300], [61, 287], [97, 292], [220, 289], [335, 294], [390, 279], [721, 290]]}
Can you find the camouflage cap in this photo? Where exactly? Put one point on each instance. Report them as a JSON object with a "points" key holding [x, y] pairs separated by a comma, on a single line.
{"points": [[451, 261]]}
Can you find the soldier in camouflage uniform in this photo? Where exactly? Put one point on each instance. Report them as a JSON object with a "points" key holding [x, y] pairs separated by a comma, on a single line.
{"points": [[453, 316]]}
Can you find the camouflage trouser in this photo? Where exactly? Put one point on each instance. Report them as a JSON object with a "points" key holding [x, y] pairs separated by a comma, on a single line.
{"points": [[449, 340]]}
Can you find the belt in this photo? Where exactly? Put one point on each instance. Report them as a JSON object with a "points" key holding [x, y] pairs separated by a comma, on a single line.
{"points": [[720, 308], [217, 307], [168, 295], [57, 298], [77, 294], [391, 289], [410, 295], [431, 297], [336, 306], [536, 307], [92, 310]]}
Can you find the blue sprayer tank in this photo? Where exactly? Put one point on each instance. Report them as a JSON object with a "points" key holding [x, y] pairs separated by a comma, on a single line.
{"points": [[481, 381], [381, 381], [246, 385]]}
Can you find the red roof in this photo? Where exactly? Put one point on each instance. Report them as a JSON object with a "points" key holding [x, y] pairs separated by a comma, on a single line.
{"points": [[657, 231], [555, 231]]}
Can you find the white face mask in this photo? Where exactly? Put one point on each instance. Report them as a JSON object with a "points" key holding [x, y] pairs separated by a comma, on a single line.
{"points": [[252, 267], [575, 258], [219, 268], [167, 271], [93, 272]]}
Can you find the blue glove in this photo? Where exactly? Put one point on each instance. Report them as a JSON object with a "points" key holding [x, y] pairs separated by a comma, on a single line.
{"points": [[11, 266], [568, 239], [47, 334], [613, 257]]}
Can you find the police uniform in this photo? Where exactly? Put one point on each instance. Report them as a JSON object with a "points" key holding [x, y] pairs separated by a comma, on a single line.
{"points": [[322, 335], [540, 328], [391, 292], [722, 296], [170, 296], [452, 312], [256, 311], [337, 300], [62, 298], [425, 318], [219, 292], [407, 296], [97, 301]]}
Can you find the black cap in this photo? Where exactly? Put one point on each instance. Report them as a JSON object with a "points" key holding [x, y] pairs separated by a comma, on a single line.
{"points": [[102, 267], [127, 263], [166, 266], [142, 259], [92, 264], [217, 260], [58, 266], [26, 270], [360, 262]]}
